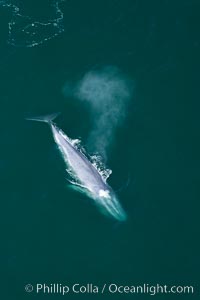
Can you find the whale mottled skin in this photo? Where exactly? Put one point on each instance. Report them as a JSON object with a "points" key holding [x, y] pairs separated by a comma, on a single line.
{"points": [[87, 176]]}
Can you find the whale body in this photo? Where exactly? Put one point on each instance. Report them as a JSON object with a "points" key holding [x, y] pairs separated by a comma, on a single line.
{"points": [[86, 176]]}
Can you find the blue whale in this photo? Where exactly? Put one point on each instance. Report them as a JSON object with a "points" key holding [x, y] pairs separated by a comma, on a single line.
{"points": [[87, 177]]}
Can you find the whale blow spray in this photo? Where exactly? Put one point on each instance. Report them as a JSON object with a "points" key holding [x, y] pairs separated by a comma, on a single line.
{"points": [[107, 91]]}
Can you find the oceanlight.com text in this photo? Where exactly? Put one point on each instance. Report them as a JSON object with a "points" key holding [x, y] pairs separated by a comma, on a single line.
{"points": [[111, 288]]}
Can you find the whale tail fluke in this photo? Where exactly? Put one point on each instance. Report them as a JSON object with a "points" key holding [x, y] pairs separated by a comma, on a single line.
{"points": [[47, 118]]}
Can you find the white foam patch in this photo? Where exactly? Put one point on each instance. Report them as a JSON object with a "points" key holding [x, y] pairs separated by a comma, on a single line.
{"points": [[29, 31], [104, 193]]}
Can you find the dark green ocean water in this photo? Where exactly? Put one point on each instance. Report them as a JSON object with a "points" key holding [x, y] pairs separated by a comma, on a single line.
{"points": [[52, 234]]}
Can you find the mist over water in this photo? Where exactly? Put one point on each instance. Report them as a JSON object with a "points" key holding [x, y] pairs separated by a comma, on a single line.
{"points": [[107, 91]]}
